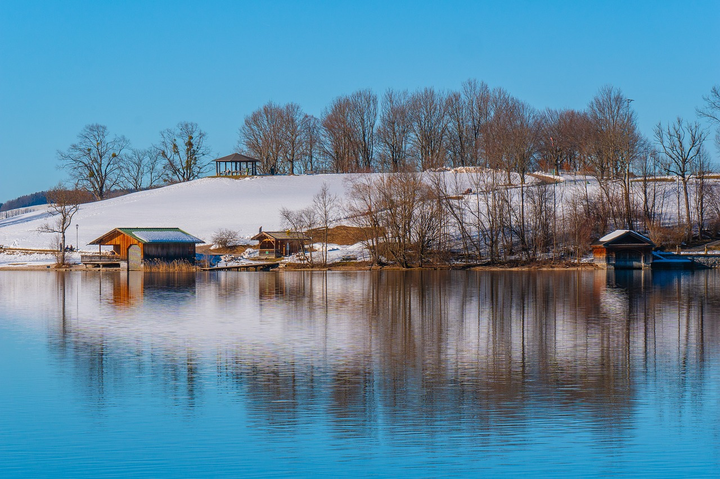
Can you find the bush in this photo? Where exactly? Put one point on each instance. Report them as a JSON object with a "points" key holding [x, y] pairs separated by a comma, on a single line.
{"points": [[225, 238]]}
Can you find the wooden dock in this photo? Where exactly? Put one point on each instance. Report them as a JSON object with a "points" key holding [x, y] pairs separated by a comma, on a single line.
{"points": [[245, 267]]}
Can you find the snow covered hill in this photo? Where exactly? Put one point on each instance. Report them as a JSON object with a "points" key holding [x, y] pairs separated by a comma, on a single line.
{"points": [[199, 207]]}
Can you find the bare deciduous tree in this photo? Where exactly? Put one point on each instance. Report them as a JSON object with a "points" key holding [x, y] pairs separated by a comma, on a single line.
{"points": [[141, 169], [393, 133], [226, 238], [364, 105], [261, 136], [615, 145], [311, 144], [300, 221], [711, 111], [428, 111], [183, 150], [94, 162], [682, 145], [325, 205], [62, 206]]}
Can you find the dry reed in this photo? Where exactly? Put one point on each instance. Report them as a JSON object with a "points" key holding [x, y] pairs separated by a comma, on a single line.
{"points": [[177, 266]]}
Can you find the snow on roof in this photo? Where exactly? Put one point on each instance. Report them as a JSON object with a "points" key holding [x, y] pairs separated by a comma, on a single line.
{"points": [[618, 233], [164, 236], [613, 235]]}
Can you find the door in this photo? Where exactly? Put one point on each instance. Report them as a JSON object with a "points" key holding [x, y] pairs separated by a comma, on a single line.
{"points": [[134, 258]]}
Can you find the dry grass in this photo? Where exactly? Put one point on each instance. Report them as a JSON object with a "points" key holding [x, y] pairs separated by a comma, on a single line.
{"points": [[341, 235], [177, 266], [207, 249]]}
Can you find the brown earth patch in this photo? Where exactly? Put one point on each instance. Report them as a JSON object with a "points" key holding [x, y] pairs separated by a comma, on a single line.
{"points": [[341, 235], [207, 249]]}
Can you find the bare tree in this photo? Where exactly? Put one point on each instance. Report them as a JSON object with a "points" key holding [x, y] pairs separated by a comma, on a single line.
{"points": [[141, 169], [94, 162], [393, 133], [561, 139], [428, 110], [325, 205], [311, 144], [478, 112], [300, 221], [62, 206], [226, 238], [338, 136], [261, 136], [363, 207], [459, 133], [363, 114], [711, 111], [616, 144], [682, 145], [183, 150]]}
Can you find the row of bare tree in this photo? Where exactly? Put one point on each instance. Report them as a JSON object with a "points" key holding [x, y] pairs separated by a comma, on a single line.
{"points": [[475, 126], [100, 162], [418, 218]]}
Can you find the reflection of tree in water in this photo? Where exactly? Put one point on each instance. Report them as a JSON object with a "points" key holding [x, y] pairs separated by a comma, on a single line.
{"points": [[107, 367], [475, 351]]}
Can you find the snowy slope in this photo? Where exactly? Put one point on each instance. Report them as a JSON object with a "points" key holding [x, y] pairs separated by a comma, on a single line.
{"points": [[199, 207]]}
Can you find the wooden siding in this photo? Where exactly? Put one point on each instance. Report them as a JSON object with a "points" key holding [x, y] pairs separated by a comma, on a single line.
{"points": [[169, 251], [121, 242]]}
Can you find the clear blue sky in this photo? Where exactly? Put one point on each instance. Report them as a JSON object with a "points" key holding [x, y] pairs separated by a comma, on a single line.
{"points": [[142, 66]]}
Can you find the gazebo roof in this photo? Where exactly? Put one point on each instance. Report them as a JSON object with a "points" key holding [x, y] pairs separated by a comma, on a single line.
{"points": [[236, 157]]}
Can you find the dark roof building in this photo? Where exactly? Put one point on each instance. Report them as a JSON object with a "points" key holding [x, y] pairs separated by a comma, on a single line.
{"points": [[623, 249], [274, 244]]}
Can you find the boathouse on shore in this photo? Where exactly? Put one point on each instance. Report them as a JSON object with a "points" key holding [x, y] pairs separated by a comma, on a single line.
{"points": [[623, 249], [135, 246], [236, 165], [274, 244]]}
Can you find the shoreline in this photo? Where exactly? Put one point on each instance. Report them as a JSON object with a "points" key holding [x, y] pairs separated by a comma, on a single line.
{"points": [[539, 266]]}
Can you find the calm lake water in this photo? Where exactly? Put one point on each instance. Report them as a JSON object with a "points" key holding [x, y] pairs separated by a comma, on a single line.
{"points": [[389, 374]]}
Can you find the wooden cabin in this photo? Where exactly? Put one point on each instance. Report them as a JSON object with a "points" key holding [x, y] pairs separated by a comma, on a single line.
{"points": [[236, 165], [623, 249], [275, 244], [134, 246]]}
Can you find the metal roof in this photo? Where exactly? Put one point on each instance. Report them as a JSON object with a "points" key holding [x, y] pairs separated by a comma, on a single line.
{"points": [[619, 234], [151, 235], [236, 157]]}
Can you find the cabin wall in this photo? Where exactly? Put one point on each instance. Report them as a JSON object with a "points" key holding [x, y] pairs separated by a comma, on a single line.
{"points": [[169, 252], [121, 243]]}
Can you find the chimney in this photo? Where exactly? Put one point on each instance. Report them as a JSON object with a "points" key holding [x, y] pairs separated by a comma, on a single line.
{"points": [[260, 230]]}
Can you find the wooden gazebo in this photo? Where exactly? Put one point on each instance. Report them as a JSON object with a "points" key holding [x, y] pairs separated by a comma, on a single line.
{"points": [[236, 165]]}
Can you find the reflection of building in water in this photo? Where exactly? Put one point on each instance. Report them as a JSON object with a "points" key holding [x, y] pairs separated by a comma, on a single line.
{"points": [[473, 349], [127, 288]]}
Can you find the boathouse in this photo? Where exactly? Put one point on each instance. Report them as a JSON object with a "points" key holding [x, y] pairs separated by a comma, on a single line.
{"points": [[134, 246], [274, 244], [623, 249], [236, 165]]}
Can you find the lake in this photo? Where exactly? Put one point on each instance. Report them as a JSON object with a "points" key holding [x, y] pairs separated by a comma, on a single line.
{"points": [[385, 374]]}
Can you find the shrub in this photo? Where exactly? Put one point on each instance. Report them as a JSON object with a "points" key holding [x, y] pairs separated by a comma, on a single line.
{"points": [[225, 238]]}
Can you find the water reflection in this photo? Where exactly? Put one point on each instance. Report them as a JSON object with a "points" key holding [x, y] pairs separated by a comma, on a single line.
{"points": [[481, 353]]}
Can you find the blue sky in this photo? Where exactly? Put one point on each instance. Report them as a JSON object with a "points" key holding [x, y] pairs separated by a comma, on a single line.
{"points": [[139, 67]]}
